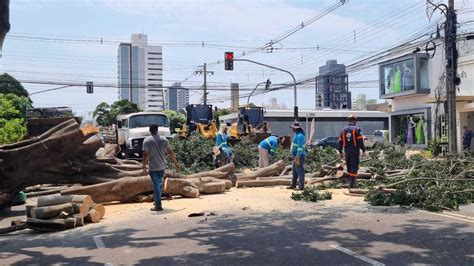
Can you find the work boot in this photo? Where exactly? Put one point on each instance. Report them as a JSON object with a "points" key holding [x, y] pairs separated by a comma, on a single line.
{"points": [[290, 187], [156, 209]]}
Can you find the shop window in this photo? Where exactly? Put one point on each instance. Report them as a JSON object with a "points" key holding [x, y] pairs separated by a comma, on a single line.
{"points": [[404, 76], [410, 129]]}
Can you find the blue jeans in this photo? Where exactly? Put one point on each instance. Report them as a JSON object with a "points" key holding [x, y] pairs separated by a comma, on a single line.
{"points": [[156, 178], [298, 173]]}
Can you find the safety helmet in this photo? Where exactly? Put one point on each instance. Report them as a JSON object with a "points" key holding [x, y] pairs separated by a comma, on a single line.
{"points": [[352, 117]]}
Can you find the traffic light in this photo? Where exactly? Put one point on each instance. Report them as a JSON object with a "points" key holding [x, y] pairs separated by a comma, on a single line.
{"points": [[267, 84], [90, 86], [229, 60]]}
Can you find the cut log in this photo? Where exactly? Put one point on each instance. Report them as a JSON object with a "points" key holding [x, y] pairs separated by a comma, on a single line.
{"points": [[81, 209], [123, 189], [192, 187], [95, 214], [12, 228], [51, 211], [213, 188], [50, 225], [79, 219], [28, 210], [274, 177], [262, 183], [60, 199], [362, 191], [342, 174], [271, 170], [220, 173]]}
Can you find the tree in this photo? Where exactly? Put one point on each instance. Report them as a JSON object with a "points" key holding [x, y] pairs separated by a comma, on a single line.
{"points": [[123, 107], [12, 124], [19, 103], [9, 84], [220, 112], [177, 120], [102, 114], [106, 114]]}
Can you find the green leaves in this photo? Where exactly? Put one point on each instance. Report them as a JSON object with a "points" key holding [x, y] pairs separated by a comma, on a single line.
{"points": [[106, 114], [310, 193], [177, 120]]}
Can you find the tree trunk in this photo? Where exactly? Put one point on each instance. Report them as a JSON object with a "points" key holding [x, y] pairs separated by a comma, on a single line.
{"points": [[123, 189], [51, 211], [50, 225], [271, 170], [262, 183], [192, 187], [57, 199], [342, 174]]}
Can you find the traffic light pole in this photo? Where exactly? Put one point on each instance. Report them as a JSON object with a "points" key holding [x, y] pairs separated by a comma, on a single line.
{"points": [[248, 99], [283, 70]]}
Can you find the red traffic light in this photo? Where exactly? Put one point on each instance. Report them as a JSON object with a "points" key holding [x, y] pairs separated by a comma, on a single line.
{"points": [[229, 61]]}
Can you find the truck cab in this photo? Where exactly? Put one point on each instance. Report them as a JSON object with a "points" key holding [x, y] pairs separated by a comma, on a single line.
{"points": [[133, 128]]}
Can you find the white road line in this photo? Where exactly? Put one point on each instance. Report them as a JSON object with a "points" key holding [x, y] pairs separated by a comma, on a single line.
{"points": [[358, 256], [450, 216], [98, 242]]}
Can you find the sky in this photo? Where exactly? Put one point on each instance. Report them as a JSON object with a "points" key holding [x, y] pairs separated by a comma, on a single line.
{"points": [[75, 41]]}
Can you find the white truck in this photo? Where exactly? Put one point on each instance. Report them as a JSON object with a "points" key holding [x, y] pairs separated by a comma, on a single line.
{"points": [[133, 128], [379, 137]]}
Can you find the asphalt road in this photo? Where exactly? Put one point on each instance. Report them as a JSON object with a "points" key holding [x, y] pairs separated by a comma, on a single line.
{"points": [[347, 234]]}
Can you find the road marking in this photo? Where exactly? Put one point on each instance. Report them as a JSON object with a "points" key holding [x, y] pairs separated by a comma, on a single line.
{"points": [[98, 242], [467, 219], [358, 256]]}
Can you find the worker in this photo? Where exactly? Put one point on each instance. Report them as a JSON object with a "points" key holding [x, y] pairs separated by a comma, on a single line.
{"points": [[352, 142], [223, 153], [466, 139], [154, 149], [267, 148], [298, 155]]}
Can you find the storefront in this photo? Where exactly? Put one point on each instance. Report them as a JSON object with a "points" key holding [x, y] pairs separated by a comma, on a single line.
{"points": [[411, 127]]}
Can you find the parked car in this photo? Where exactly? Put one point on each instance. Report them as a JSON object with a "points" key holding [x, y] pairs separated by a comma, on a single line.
{"points": [[326, 142]]}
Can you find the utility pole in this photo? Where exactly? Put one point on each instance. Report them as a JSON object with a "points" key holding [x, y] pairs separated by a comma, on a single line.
{"points": [[451, 73], [204, 72]]}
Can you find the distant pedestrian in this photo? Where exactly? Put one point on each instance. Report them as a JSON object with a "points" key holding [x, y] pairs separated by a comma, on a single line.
{"points": [[352, 142], [298, 155], [467, 138], [267, 148], [222, 151], [154, 149]]}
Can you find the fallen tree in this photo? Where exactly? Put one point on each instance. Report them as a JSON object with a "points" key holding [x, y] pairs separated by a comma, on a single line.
{"points": [[62, 155], [131, 189]]}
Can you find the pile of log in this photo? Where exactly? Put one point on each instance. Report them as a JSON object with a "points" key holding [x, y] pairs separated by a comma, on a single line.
{"points": [[57, 213]]}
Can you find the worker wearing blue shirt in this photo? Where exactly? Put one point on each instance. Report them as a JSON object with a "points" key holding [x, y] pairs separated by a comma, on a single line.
{"points": [[298, 155], [267, 148]]}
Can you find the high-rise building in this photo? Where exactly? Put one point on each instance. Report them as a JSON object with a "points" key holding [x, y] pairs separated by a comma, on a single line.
{"points": [[177, 97], [234, 96], [332, 87], [361, 102], [140, 73]]}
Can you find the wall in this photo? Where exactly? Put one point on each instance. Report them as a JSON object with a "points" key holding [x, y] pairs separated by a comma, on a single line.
{"points": [[326, 127]]}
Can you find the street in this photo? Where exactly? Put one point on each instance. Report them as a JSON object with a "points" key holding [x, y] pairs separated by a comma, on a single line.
{"points": [[257, 226]]}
